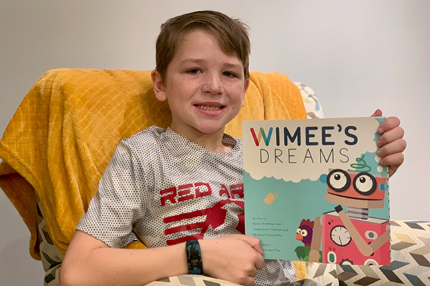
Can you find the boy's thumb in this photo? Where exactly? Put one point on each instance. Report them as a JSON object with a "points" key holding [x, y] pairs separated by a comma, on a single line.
{"points": [[377, 113], [253, 242]]}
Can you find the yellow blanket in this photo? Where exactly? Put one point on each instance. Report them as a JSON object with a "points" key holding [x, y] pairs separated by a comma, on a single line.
{"points": [[65, 131]]}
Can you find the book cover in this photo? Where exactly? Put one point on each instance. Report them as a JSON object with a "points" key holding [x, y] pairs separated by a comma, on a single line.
{"points": [[314, 190]]}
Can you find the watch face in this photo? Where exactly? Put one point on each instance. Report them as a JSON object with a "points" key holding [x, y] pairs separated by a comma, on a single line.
{"points": [[340, 235]]}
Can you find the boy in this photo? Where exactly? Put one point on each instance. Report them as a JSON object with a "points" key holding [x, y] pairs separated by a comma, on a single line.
{"points": [[202, 71]]}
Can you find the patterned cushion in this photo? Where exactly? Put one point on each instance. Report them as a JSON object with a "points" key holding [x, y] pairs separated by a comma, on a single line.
{"points": [[191, 280], [326, 274], [410, 261], [51, 257], [197, 280], [310, 99]]}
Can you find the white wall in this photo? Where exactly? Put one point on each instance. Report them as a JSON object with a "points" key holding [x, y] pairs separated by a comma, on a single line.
{"points": [[357, 56]]}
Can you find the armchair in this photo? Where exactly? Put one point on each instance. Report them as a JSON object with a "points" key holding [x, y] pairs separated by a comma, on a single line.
{"points": [[58, 144]]}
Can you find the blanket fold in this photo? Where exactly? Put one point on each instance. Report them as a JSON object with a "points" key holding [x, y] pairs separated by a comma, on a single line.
{"points": [[65, 131]]}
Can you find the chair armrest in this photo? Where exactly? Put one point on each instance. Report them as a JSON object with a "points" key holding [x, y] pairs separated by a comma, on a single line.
{"points": [[311, 101], [410, 260]]}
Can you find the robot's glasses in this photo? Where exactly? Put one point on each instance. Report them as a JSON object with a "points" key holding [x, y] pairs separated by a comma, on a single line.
{"points": [[339, 181]]}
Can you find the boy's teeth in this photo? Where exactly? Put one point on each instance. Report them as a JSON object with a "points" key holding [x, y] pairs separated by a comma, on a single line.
{"points": [[208, 107]]}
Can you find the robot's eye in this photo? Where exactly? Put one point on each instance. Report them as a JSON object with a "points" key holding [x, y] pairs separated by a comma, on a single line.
{"points": [[299, 230], [304, 232], [365, 184], [338, 180]]}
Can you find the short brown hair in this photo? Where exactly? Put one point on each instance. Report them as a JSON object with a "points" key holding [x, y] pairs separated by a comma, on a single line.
{"points": [[231, 34]]}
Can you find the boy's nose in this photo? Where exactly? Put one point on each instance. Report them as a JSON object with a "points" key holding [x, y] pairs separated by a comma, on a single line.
{"points": [[213, 85]]}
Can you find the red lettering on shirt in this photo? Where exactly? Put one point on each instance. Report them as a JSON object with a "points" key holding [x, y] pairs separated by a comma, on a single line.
{"points": [[236, 190], [214, 217], [184, 192], [168, 195], [224, 191], [200, 192]]}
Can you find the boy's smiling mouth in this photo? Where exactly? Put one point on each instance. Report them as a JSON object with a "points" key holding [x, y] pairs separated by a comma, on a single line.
{"points": [[209, 107]]}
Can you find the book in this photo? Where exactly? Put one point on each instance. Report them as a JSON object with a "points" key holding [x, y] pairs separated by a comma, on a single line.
{"points": [[314, 190]]}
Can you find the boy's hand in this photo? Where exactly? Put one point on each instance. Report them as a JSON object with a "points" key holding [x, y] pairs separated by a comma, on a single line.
{"points": [[234, 258], [391, 143]]}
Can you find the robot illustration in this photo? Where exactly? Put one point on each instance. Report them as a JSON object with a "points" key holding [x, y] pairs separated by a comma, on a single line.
{"points": [[352, 237]]}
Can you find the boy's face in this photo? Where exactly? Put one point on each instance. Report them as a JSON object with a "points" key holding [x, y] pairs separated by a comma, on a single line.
{"points": [[205, 87]]}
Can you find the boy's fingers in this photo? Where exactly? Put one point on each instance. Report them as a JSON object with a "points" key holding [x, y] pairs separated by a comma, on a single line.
{"points": [[393, 161], [258, 248], [377, 113], [249, 281], [392, 135], [388, 124], [392, 148], [260, 263], [253, 242]]}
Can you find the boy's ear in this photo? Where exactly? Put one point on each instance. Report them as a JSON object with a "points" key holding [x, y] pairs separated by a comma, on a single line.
{"points": [[244, 92], [158, 86]]}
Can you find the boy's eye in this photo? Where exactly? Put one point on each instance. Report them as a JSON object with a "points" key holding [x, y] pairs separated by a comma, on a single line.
{"points": [[193, 71], [229, 74]]}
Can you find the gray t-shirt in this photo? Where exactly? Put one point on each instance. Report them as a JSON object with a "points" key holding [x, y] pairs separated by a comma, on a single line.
{"points": [[166, 189]]}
